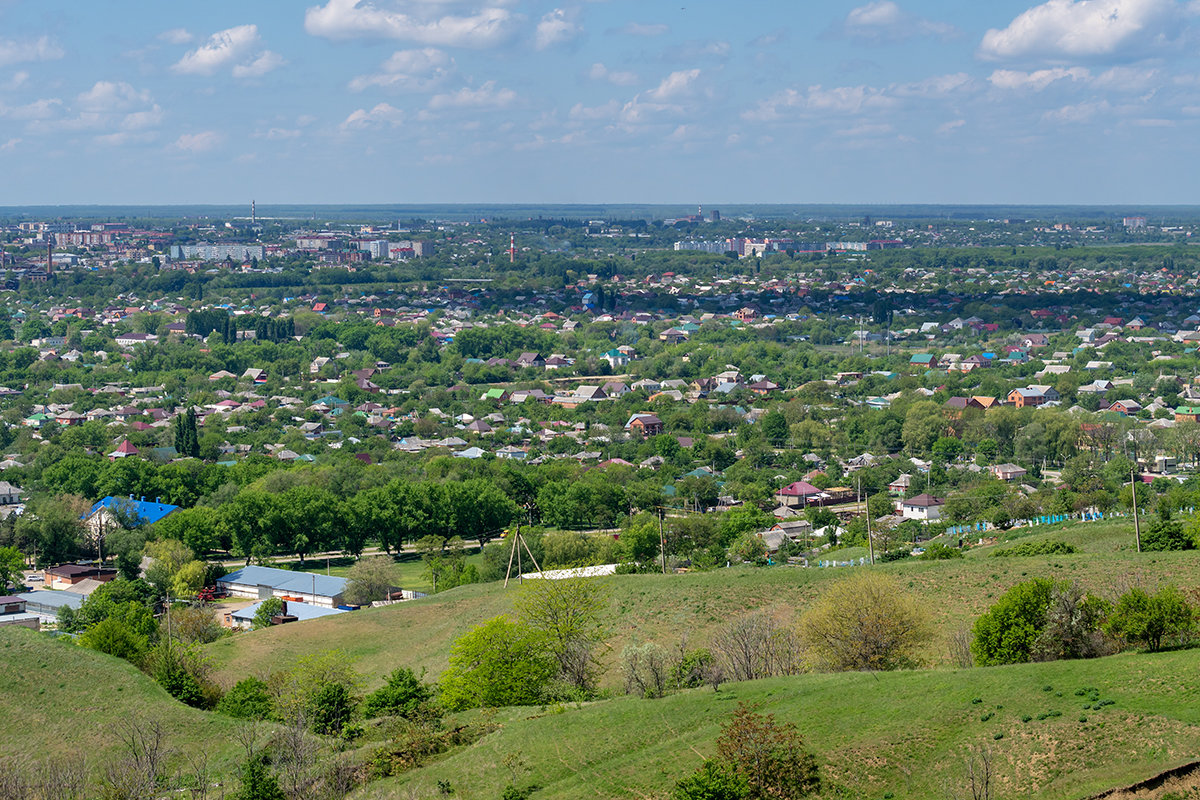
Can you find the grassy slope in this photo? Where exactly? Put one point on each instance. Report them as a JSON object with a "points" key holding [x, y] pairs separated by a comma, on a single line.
{"points": [[905, 733], [666, 608], [58, 699]]}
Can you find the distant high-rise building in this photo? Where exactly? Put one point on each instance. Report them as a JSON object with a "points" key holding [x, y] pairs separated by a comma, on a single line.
{"points": [[1134, 222], [716, 215], [217, 252]]}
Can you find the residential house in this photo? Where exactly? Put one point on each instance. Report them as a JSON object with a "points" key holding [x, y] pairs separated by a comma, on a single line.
{"points": [[1007, 472], [616, 359], [1187, 414], [9, 495], [645, 425], [799, 493], [64, 576], [1032, 396], [1126, 407], [126, 512], [922, 507]]}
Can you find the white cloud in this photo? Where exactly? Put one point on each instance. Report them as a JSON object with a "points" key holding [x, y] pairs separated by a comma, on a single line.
{"points": [[838, 100], [45, 108], [609, 110], [674, 85], [350, 19], [237, 48], [867, 129], [176, 36], [1081, 112], [1038, 79], [486, 96], [138, 120], [112, 96], [696, 50], [279, 134], [18, 80], [9, 146], [947, 128], [266, 61], [556, 27], [640, 29], [199, 142], [13, 51], [885, 21], [599, 72], [409, 70], [1127, 78], [937, 86], [1085, 28], [380, 115], [125, 137]]}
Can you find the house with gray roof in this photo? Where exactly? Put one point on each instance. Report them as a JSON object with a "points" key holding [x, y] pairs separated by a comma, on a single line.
{"points": [[304, 587]]}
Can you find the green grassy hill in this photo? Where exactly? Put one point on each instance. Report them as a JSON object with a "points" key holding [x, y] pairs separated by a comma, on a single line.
{"points": [[57, 699], [665, 609], [877, 735]]}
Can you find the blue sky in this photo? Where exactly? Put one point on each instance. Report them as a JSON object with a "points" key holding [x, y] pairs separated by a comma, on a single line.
{"points": [[421, 101]]}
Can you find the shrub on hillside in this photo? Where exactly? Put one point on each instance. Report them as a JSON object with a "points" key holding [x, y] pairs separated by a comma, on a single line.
{"points": [[499, 663], [1039, 620], [248, 699], [1045, 548], [1165, 533], [404, 695], [940, 552], [770, 755], [1152, 621], [865, 621]]}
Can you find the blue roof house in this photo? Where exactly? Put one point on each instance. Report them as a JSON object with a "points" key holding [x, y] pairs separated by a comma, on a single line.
{"points": [[121, 511]]}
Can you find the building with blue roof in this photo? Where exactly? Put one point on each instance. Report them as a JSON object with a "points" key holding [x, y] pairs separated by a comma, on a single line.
{"points": [[244, 617], [259, 583], [47, 603], [136, 513]]}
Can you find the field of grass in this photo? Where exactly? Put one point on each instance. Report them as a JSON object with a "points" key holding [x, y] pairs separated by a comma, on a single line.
{"points": [[905, 733], [666, 609], [61, 700], [884, 735]]}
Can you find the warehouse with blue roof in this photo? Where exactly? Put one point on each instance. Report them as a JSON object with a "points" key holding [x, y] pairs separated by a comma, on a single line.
{"points": [[259, 583]]}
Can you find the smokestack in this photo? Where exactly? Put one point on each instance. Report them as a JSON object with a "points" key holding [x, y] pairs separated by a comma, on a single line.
{"points": [[49, 253], [253, 217]]}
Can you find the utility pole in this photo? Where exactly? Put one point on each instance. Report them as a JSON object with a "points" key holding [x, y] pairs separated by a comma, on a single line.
{"points": [[867, 507], [1137, 528], [662, 541]]}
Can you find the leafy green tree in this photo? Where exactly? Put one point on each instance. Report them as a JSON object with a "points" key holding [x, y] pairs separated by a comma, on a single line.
{"points": [[1151, 620], [748, 548], [122, 635], [370, 579], [331, 708], [498, 663], [249, 698], [1039, 619], [569, 615], [743, 520], [775, 428], [715, 780], [866, 621], [12, 566], [267, 610], [770, 755], [126, 547], [402, 695], [55, 526], [1166, 533], [258, 781]]}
